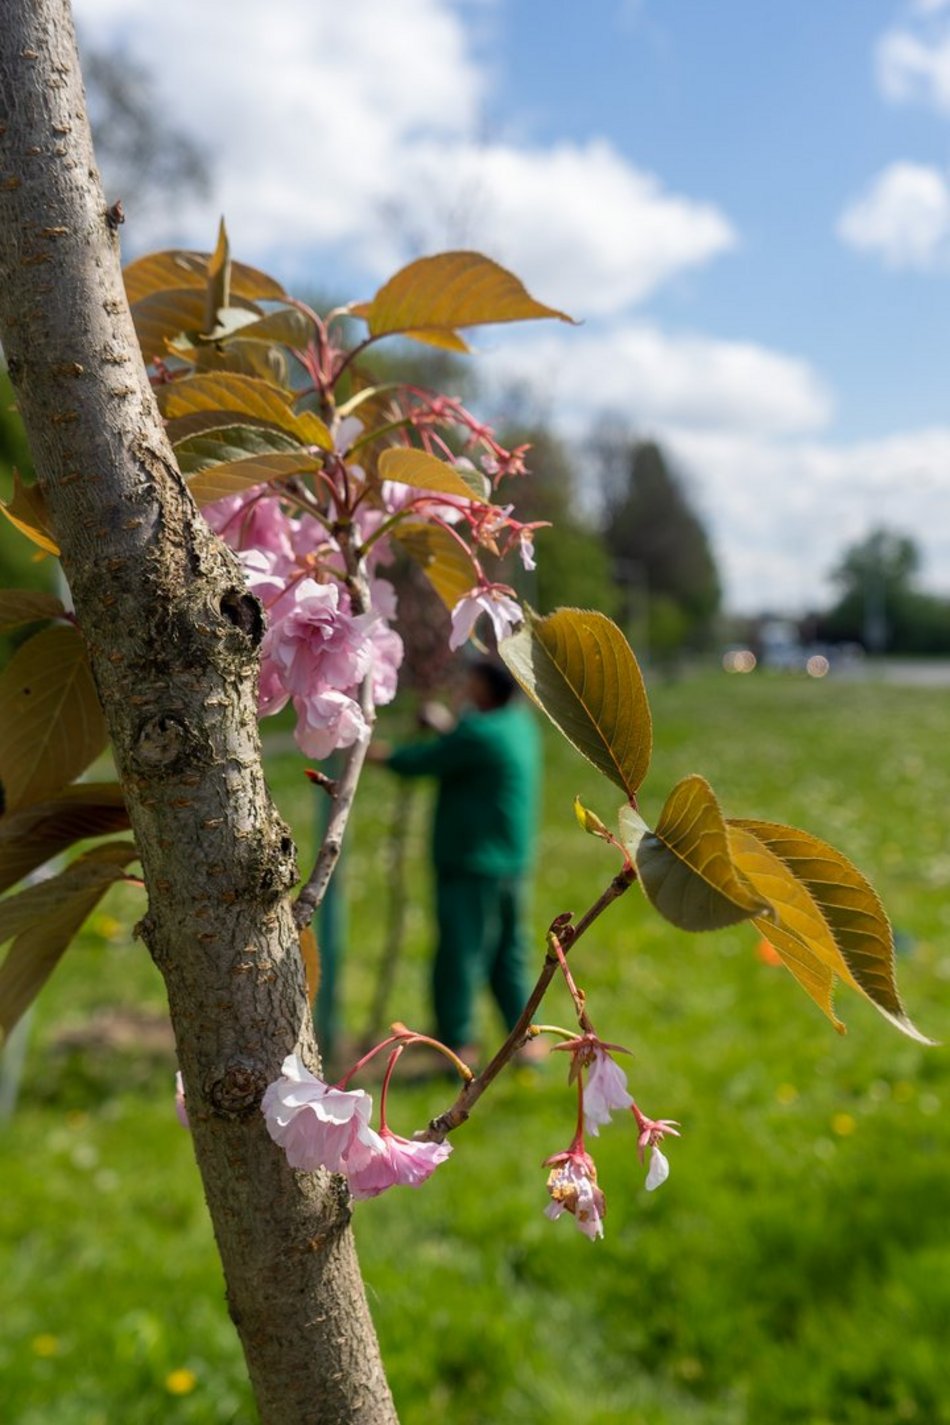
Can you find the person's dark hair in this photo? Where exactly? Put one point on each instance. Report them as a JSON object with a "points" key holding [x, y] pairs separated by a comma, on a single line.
{"points": [[496, 678]]}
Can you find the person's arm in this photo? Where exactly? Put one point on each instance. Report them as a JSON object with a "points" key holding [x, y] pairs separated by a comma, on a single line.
{"points": [[456, 751]]}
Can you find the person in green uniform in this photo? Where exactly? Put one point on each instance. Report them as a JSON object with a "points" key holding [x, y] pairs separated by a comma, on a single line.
{"points": [[488, 771]]}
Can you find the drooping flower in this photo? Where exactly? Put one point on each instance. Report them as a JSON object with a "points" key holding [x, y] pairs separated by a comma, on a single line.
{"points": [[658, 1171], [572, 1184], [650, 1134], [396, 1160], [253, 519], [316, 1125], [605, 1091], [503, 611]]}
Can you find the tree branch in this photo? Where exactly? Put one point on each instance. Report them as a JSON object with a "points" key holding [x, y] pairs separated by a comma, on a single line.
{"points": [[172, 636], [565, 936]]}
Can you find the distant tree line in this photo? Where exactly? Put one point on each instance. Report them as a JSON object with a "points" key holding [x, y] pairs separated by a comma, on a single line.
{"points": [[879, 603]]}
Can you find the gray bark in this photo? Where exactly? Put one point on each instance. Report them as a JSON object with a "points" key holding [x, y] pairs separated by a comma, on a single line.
{"points": [[172, 636]]}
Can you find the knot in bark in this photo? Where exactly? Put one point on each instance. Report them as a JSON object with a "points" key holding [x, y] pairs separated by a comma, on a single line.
{"points": [[236, 1091], [161, 742], [245, 612]]}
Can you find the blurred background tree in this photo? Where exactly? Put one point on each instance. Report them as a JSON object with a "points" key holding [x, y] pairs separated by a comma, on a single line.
{"points": [[663, 561], [879, 605]]}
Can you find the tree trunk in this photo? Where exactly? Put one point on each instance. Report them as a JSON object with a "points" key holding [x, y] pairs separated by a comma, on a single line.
{"points": [[172, 636]]}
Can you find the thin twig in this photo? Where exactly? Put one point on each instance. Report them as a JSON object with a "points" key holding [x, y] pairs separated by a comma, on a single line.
{"points": [[566, 935]]}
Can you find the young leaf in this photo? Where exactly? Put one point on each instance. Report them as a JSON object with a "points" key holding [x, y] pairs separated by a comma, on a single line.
{"points": [[164, 271], [44, 918], [686, 868], [433, 296], [26, 510], [425, 472], [447, 566], [218, 290], [851, 909], [51, 725], [232, 477], [245, 395], [590, 822], [35, 833], [19, 606], [580, 670], [798, 932], [632, 830]]}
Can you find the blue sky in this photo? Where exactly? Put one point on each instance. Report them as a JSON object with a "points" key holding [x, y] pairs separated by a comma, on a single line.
{"points": [[747, 204]]}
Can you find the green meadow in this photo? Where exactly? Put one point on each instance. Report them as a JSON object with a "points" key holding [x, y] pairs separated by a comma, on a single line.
{"points": [[795, 1267]]}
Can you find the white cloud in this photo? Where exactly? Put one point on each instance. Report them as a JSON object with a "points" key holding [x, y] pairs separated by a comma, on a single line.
{"points": [[356, 127], [782, 512], [916, 66], [903, 217], [653, 377]]}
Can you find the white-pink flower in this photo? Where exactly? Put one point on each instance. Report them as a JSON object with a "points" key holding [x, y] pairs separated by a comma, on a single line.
{"points": [[317, 644], [572, 1184], [503, 611], [526, 548], [658, 1171], [387, 653], [316, 1125], [396, 1160], [650, 1134], [605, 1091], [326, 721]]}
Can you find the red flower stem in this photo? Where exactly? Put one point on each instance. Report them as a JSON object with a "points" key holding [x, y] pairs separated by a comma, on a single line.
{"points": [[577, 1144], [578, 996], [567, 935], [384, 1090]]}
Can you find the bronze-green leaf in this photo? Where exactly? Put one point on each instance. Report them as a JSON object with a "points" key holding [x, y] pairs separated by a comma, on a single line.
{"points": [[244, 395], [798, 931], [580, 670], [445, 563], [852, 910], [51, 725], [433, 296], [44, 918], [19, 606], [425, 472], [35, 833], [26, 510], [686, 868], [175, 268]]}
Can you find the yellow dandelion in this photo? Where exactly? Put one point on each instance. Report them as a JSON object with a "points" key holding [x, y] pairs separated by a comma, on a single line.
{"points": [[45, 1344], [786, 1093], [180, 1382], [843, 1124]]}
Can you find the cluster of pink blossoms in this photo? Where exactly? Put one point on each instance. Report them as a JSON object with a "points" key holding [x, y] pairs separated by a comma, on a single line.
{"points": [[320, 1126], [572, 1182], [335, 655]]}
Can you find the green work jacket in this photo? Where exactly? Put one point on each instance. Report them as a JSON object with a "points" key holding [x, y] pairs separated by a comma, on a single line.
{"points": [[488, 769]]}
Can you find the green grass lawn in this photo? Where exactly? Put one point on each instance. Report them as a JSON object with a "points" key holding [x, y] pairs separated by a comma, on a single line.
{"points": [[795, 1268]]}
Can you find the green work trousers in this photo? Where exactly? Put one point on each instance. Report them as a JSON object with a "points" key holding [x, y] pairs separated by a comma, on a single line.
{"points": [[481, 940]]}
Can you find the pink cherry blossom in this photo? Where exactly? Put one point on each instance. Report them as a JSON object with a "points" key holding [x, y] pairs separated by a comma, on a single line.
{"points": [[572, 1184], [328, 720], [397, 1160], [254, 519], [317, 644], [316, 1125], [503, 611], [605, 1091]]}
